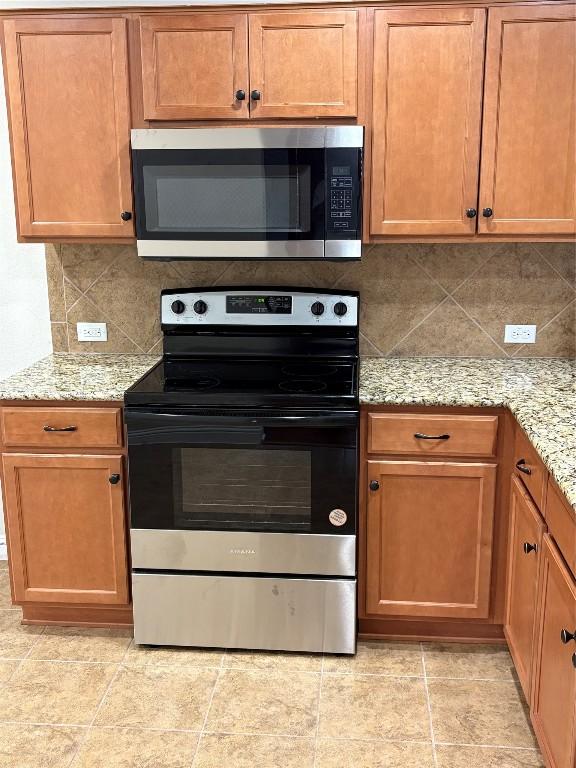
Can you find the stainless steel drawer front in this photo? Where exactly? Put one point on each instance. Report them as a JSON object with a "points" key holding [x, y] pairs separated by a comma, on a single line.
{"points": [[239, 551], [279, 614]]}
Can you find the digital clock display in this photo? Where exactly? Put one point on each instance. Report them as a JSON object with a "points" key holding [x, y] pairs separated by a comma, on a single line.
{"points": [[259, 305]]}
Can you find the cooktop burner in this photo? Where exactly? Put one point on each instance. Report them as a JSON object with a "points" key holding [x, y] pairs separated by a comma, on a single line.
{"points": [[202, 383], [303, 385]]}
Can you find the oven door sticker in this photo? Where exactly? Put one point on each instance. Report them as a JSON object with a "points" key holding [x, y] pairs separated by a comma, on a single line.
{"points": [[338, 517]]}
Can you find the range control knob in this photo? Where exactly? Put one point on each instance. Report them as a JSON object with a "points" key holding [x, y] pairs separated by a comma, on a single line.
{"points": [[340, 308], [200, 307], [317, 308], [178, 307]]}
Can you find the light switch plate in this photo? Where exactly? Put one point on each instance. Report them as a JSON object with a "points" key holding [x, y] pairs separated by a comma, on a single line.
{"points": [[520, 334], [92, 331]]}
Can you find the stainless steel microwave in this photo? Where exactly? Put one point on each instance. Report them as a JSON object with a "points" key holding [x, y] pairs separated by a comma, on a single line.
{"points": [[249, 193]]}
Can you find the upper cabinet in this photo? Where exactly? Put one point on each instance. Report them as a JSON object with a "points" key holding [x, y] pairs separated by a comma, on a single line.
{"points": [[427, 92], [528, 180], [67, 90], [301, 64]]}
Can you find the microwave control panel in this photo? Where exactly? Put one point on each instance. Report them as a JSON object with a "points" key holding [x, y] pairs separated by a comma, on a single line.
{"points": [[343, 194]]}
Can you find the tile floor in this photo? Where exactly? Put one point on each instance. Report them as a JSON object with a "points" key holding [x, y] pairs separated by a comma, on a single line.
{"points": [[92, 699]]}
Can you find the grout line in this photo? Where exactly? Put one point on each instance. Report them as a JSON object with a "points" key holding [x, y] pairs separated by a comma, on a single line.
{"points": [[551, 265], [412, 330], [543, 328], [429, 706], [486, 746], [203, 729], [320, 683]]}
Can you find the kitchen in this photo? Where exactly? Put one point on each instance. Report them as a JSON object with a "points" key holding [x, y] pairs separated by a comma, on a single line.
{"points": [[294, 482]]}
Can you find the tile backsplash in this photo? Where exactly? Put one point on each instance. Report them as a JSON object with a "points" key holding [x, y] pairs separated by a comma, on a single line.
{"points": [[416, 300]]}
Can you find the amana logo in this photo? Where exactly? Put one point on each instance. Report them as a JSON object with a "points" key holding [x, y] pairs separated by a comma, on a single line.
{"points": [[242, 551]]}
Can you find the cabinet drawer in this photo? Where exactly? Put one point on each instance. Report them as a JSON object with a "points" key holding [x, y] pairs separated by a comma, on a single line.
{"points": [[529, 468], [61, 427], [561, 524], [433, 435]]}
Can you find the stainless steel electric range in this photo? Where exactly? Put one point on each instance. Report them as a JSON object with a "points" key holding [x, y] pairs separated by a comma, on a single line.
{"points": [[243, 467]]}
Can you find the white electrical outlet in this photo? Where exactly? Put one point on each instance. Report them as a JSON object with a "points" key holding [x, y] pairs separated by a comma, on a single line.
{"points": [[520, 334], [91, 331]]}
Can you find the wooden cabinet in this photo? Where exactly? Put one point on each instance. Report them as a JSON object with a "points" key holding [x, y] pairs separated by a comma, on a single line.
{"points": [[525, 544], [194, 65], [286, 64], [427, 92], [429, 538], [528, 174], [67, 91], [66, 528], [554, 688]]}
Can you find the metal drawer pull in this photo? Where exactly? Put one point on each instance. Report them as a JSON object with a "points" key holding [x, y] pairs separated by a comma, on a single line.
{"points": [[420, 436], [566, 636], [530, 547], [60, 429], [520, 466]]}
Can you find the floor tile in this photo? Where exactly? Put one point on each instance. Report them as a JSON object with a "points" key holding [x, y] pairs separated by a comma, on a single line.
{"points": [[219, 750], [194, 657], [75, 644], [266, 702], [5, 594], [479, 712], [303, 662], [16, 638], [339, 753], [379, 659], [53, 692], [133, 748], [38, 746], [487, 757], [359, 706], [7, 669], [158, 697], [3, 565], [468, 661]]}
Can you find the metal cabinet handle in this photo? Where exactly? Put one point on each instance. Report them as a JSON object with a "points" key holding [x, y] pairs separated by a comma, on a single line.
{"points": [[114, 479], [420, 436], [125, 215], [566, 636], [60, 429], [374, 485], [487, 212], [521, 467], [255, 95], [529, 547], [240, 95], [471, 213]]}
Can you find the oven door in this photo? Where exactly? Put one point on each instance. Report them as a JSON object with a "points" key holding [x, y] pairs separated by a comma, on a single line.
{"points": [[245, 473]]}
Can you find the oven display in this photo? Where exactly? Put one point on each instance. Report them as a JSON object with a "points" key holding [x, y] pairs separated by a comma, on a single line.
{"points": [[259, 305]]}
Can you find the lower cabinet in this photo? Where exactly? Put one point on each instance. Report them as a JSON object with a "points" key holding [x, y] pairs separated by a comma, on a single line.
{"points": [[66, 527], [524, 554], [554, 687], [429, 538]]}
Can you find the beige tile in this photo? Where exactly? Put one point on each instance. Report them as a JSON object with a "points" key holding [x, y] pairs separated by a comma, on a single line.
{"points": [[303, 662], [557, 339], [7, 669], [364, 707], [221, 751], [16, 638], [75, 644], [338, 753], [487, 757], [53, 692], [38, 746], [488, 662], [264, 273], [85, 311], [367, 349], [479, 712], [84, 263], [450, 264], [54, 278], [200, 273], [265, 702], [71, 294], [3, 565], [143, 654], [379, 659], [5, 594], [325, 274], [448, 331], [158, 697], [59, 333], [132, 748], [562, 256]]}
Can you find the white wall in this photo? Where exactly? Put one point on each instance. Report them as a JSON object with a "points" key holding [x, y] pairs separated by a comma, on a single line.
{"points": [[24, 318]]}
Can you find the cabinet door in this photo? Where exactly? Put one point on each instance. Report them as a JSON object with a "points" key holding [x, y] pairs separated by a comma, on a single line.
{"points": [[303, 64], [67, 91], [194, 66], [66, 528], [554, 689], [526, 531], [429, 534], [528, 177], [427, 93]]}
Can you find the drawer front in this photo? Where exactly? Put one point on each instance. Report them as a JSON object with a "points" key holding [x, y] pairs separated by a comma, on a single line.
{"points": [[61, 427], [529, 468], [432, 435], [561, 524]]}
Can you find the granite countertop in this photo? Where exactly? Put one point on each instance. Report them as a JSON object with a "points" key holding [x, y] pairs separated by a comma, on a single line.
{"points": [[540, 393]]}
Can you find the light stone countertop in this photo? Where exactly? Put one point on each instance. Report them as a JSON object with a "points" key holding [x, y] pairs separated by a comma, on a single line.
{"points": [[540, 393]]}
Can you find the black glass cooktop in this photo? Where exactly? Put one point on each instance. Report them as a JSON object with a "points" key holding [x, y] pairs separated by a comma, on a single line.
{"points": [[285, 382]]}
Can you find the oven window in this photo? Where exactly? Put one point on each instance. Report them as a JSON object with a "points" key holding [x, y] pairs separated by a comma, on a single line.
{"points": [[232, 487]]}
